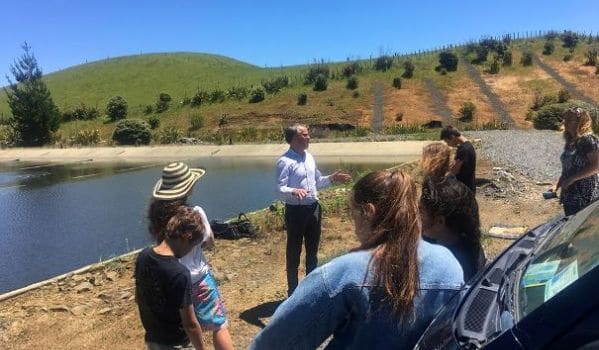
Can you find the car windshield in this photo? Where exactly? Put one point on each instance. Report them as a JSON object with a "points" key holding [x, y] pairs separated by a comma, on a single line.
{"points": [[567, 256]]}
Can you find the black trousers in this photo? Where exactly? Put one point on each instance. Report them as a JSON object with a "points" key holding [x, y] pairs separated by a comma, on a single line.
{"points": [[303, 224]]}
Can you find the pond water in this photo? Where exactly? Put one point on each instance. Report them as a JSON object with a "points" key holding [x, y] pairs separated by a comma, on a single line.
{"points": [[57, 218]]}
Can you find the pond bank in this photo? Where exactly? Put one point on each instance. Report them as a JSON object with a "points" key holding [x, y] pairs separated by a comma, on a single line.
{"points": [[380, 150]]}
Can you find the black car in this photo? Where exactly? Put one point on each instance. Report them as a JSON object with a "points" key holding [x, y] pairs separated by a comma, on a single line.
{"points": [[540, 293]]}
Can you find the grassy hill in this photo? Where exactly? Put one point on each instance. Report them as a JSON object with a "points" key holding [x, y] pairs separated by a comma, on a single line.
{"points": [[428, 95]]}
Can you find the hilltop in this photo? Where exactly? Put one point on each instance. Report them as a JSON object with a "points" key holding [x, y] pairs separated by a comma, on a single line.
{"points": [[501, 93]]}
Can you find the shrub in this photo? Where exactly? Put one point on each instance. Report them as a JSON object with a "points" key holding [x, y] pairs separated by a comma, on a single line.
{"points": [[526, 59], [185, 101], [563, 96], [81, 112], [569, 39], [8, 136], [170, 135], [164, 97], [567, 57], [548, 48], [237, 93], [352, 83], [408, 67], [200, 98], [86, 137], [549, 117], [551, 35], [481, 53], [320, 84], [396, 82], [542, 100], [154, 122], [314, 71], [507, 58], [467, 111], [148, 110], [355, 94], [383, 63], [302, 99], [591, 57], [495, 66], [256, 95], [351, 69], [217, 96], [448, 60], [275, 85], [196, 121], [161, 106], [132, 132], [116, 108], [223, 120]]}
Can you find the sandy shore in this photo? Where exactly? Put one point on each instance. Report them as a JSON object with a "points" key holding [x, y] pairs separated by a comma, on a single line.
{"points": [[374, 151]]}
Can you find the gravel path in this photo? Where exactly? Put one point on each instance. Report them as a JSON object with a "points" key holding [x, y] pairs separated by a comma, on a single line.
{"points": [[533, 153]]}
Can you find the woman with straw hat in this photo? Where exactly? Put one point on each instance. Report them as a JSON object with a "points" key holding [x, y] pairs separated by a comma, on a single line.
{"points": [[170, 193]]}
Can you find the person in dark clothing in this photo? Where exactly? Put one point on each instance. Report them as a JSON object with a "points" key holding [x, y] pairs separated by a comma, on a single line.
{"points": [[163, 286], [464, 164], [579, 180], [450, 217]]}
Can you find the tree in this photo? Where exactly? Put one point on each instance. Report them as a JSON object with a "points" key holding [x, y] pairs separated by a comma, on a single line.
{"points": [[34, 114], [116, 108], [448, 60]]}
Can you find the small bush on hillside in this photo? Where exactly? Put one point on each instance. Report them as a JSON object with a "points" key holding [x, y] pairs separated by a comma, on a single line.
{"points": [[567, 57], [448, 60], [116, 108], [302, 99], [217, 96], [196, 121], [383, 63], [275, 85], [507, 58], [132, 132], [223, 120], [591, 57], [563, 96], [467, 111], [161, 106], [154, 122], [355, 94], [257, 95], [494, 67], [320, 84], [396, 83], [164, 97], [185, 101], [548, 48], [314, 71], [408, 67], [170, 135], [86, 137], [526, 59], [542, 100], [551, 35], [237, 93], [351, 69], [200, 98], [81, 112], [148, 109], [569, 39], [352, 83], [481, 53]]}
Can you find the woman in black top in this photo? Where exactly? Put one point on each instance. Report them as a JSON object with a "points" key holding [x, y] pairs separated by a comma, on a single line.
{"points": [[579, 180], [450, 217]]}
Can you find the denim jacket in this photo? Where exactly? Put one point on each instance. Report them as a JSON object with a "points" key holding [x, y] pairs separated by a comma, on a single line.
{"points": [[339, 299]]}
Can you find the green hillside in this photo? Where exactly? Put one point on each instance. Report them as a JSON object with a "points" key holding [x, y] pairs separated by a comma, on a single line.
{"points": [[430, 94]]}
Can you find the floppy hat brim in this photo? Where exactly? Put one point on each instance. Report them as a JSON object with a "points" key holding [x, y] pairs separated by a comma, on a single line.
{"points": [[181, 190]]}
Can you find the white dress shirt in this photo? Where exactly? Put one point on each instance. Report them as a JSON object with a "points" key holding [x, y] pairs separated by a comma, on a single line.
{"points": [[296, 170]]}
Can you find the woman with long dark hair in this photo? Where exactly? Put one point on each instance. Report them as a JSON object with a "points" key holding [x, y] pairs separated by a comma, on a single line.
{"points": [[450, 217], [384, 293]]}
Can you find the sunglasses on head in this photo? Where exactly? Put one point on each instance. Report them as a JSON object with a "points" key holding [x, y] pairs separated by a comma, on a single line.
{"points": [[575, 110]]}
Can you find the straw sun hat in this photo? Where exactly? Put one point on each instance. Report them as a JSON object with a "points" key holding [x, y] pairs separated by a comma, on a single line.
{"points": [[176, 181]]}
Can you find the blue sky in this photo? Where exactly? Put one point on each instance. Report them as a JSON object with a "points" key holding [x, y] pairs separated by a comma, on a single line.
{"points": [[268, 33]]}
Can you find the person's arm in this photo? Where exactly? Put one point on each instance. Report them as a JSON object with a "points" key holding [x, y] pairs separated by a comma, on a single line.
{"points": [[455, 167], [591, 169], [306, 319], [191, 326], [208, 240], [283, 182]]}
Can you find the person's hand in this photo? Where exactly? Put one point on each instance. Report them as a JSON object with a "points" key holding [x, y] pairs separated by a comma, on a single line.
{"points": [[339, 176], [300, 193]]}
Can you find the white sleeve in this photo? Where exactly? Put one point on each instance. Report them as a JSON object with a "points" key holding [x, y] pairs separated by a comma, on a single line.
{"points": [[208, 231]]}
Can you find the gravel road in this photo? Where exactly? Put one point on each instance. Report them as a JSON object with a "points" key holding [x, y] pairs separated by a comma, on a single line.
{"points": [[533, 153]]}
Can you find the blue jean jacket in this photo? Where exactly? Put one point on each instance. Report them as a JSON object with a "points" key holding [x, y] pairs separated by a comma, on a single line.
{"points": [[339, 299]]}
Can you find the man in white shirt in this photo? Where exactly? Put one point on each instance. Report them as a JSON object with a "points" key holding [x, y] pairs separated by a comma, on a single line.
{"points": [[298, 181]]}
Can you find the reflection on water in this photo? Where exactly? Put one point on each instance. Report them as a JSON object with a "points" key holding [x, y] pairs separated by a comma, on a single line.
{"points": [[56, 218]]}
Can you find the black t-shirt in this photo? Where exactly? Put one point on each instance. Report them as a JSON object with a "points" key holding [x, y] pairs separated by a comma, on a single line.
{"points": [[162, 287], [467, 155]]}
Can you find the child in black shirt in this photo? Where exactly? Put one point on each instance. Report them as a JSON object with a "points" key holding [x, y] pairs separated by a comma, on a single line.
{"points": [[163, 286]]}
